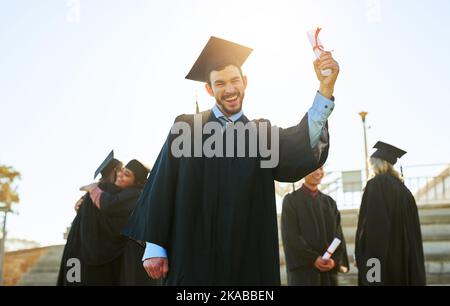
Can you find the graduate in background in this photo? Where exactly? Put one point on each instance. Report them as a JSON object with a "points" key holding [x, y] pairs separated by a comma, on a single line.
{"points": [[73, 248], [111, 258], [389, 226], [212, 220], [107, 257], [310, 221]]}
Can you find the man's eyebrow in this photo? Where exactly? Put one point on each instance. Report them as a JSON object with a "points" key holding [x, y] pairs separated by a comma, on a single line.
{"points": [[232, 79]]}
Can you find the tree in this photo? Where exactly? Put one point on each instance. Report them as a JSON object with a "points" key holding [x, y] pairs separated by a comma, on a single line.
{"points": [[8, 193], [8, 196]]}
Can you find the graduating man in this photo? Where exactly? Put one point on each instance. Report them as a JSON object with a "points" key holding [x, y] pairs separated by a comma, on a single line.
{"points": [[309, 222], [388, 246], [211, 220]]}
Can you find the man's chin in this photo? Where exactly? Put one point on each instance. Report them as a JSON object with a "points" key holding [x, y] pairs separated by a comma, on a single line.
{"points": [[233, 111], [228, 109]]}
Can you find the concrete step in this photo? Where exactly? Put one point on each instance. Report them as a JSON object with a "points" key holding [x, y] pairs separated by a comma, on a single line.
{"points": [[430, 232], [432, 280], [39, 279], [426, 215], [437, 264], [45, 271], [431, 268], [433, 250]]}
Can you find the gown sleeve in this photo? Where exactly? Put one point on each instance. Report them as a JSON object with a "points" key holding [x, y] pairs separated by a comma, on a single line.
{"points": [[120, 202], [296, 157], [151, 221]]}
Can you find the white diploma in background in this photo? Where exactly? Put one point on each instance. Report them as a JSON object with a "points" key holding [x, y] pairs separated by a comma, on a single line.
{"points": [[313, 36], [333, 246]]}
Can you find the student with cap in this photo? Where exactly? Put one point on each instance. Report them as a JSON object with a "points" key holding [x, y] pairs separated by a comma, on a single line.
{"points": [[388, 226], [107, 257], [310, 221], [108, 169], [212, 220]]}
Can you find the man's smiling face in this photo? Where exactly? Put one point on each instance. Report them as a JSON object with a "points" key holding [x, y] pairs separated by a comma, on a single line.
{"points": [[228, 88]]}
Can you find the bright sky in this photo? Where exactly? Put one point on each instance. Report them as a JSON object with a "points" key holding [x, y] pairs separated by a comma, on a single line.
{"points": [[79, 78]]}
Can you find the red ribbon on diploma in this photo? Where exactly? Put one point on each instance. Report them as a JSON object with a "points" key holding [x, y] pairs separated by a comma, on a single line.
{"points": [[316, 37], [316, 42]]}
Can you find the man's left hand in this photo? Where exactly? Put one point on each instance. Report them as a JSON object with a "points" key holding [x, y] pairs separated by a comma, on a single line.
{"points": [[326, 61]]}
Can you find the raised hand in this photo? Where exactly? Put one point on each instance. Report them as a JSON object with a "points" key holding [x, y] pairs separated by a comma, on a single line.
{"points": [[326, 61]]}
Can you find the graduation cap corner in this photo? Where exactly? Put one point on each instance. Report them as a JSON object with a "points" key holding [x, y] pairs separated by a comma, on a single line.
{"points": [[109, 163], [217, 52]]}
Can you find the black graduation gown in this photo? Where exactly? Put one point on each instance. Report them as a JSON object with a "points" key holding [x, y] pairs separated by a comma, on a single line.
{"points": [[132, 272], [95, 239], [216, 217], [72, 249], [308, 226], [389, 230]]}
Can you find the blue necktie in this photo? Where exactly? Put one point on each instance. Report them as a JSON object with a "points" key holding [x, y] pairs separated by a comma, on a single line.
{"points": [[225, 121]]}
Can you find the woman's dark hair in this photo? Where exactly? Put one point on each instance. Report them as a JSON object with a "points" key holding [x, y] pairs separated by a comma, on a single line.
{"points": [[140, 172]]}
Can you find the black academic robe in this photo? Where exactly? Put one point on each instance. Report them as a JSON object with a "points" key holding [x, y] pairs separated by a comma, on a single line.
{"points": [[95, 239], [308, 226], [216, 217], [72, 249], [389, 230]]}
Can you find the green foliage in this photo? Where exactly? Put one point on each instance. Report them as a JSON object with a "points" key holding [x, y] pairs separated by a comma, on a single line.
{"points": [[8, 193]]}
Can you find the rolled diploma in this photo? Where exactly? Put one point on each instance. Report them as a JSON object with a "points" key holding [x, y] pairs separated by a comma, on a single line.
{"points": [[312, 39], [329, 252]]}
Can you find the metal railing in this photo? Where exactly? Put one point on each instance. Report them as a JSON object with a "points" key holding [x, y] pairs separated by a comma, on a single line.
{"points": [[428, 183]]}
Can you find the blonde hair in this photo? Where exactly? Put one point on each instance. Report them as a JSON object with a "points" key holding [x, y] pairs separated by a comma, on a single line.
{"points": [[379, 166]]}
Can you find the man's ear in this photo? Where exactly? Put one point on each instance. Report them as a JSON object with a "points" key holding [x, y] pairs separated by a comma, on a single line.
{"points": [[209, 90], [244, 80]]}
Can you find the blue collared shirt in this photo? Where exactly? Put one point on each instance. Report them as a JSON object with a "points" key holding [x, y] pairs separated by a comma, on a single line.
{"points": [[317, 117], [218, 114]]}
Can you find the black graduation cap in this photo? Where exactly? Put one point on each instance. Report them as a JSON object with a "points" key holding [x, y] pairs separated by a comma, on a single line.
{"points": [[107, 165], [217, 53], [387, 152]]}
